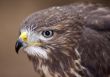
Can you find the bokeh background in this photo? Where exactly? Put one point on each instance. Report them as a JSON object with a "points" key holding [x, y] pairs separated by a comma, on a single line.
{"points": [[12, 13]]}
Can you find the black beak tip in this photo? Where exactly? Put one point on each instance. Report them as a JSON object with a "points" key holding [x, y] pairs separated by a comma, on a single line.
{"points": [[16, 48], [18, 45]]}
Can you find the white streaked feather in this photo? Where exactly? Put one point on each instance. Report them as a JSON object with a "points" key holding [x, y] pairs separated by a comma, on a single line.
{"points": [[36, 51]]}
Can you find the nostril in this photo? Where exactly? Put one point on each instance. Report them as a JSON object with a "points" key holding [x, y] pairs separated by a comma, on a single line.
{"points": [[25, 39]]}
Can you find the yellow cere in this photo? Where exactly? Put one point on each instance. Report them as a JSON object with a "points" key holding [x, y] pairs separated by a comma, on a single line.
{"points": [[23, 36]]}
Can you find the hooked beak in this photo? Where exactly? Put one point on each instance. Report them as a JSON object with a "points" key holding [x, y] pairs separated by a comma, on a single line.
{"points": [[20, 41], [18, 45]]}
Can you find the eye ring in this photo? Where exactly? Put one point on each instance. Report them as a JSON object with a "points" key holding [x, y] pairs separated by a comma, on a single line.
{"points": [[48, 33]]}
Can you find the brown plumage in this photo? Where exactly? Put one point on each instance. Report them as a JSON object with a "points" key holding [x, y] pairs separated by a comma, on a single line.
{"points": [[68, 41]]}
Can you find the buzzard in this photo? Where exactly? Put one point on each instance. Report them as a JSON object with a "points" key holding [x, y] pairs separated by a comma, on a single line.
{"points": [[68, 41]]}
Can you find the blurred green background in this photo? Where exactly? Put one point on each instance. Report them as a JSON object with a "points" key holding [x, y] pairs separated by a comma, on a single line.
{"points": [[12, 12]]}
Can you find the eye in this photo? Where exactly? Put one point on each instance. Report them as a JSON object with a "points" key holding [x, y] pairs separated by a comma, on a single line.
{"points": [[47, 33]]}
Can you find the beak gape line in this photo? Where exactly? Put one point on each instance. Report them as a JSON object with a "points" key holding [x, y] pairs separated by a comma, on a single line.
{"points": [[18, 45]]}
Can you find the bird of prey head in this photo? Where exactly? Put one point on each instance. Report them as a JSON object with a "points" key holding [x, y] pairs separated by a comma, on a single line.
{"points": [[51, 39]]}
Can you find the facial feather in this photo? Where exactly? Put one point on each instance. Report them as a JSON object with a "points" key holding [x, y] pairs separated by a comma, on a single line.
{"points": [[36, 51]]}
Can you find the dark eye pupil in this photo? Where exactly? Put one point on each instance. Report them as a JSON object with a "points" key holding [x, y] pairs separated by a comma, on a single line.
{"points": [[47, 34]]}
